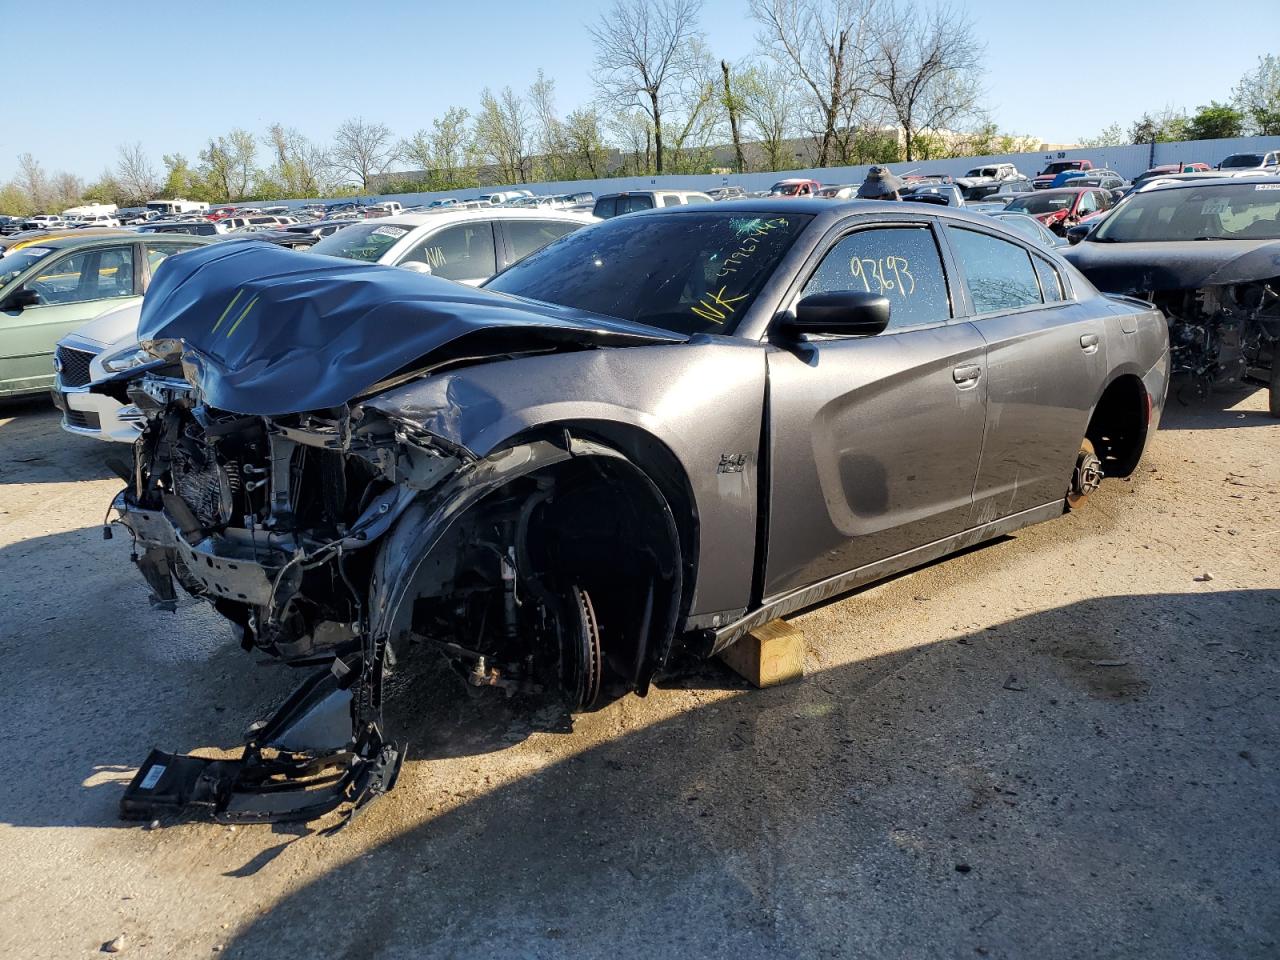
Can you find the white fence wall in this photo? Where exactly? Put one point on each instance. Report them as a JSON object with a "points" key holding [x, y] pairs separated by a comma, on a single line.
{"points": [[1129, 161]]}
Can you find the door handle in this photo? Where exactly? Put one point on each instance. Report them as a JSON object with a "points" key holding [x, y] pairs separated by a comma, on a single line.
{"points": [[1089, 343], [966, 376]]}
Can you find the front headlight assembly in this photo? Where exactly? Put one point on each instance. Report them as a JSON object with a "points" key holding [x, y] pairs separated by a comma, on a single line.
{"points": [[126, 359]]}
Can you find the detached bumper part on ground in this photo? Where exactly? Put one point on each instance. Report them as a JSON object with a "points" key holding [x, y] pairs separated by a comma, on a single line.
{"points": [[321, 751]]}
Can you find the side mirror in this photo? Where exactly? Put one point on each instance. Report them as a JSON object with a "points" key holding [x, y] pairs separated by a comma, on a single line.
{"points": [[849, 313], [20, 299], [415, 266]]}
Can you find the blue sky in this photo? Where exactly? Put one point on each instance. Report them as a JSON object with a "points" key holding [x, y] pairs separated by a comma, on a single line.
{"points": [[169, 74]]}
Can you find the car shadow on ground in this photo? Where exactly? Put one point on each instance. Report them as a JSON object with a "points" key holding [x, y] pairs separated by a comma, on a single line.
{"points": [[37, 450], [1216, 411], [1054, 780]]}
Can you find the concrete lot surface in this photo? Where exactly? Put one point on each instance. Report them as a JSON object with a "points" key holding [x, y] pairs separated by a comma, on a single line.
{"points": [[1059, 745]]}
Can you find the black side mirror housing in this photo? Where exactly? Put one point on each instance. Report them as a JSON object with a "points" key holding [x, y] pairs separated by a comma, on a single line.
{"points": [[19, 299], [848, 313]]}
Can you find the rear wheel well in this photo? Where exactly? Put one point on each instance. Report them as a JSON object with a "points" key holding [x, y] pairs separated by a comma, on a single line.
{"points": [[1118, 427]]}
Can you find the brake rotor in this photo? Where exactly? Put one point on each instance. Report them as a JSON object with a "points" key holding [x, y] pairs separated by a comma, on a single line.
{"points": [[1086, 477], [582, 656]]}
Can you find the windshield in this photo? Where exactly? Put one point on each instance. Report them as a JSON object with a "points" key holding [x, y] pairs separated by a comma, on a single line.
{"points": [[1242, 160], [1041, 203], [15, 263], [1234, 211], [784, 189], [689, 273], [1062, 165], [362, 241]]}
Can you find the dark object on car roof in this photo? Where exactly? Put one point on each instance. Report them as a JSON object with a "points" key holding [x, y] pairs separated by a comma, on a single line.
{"points": [[880, 184]]}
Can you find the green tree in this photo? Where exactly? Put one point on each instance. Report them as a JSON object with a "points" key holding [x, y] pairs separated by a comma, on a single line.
{"points": [[1110, 136], [1217, 121], [14, 201], [1167, 125], [1257, 96]]}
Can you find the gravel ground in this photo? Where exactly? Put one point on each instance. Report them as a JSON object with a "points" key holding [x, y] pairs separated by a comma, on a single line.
{"points": [[1063, 744]]}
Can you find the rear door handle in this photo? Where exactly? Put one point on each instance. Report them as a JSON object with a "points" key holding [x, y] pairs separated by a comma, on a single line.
{"points": [[966, 376], [1089, 343]]}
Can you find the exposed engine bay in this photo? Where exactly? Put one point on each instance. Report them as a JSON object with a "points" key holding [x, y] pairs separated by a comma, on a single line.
{"points": [[336, 541], [1222, 334]]}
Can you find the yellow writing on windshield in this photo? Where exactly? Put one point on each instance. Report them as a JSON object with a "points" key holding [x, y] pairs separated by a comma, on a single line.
{"points": [[716, 307], [884, 275], [753, 231]]}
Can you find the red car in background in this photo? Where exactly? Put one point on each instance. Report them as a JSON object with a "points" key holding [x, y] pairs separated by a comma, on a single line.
{"points": [[1044, 179], [1165, 169], [1063, 207], [795, 188]]}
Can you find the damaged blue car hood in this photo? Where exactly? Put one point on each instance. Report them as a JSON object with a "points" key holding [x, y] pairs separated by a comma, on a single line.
{"points": [[268, 331]]}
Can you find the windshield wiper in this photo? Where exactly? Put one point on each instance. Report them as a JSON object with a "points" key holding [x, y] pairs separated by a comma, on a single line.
{"points": [[1210, 238]]}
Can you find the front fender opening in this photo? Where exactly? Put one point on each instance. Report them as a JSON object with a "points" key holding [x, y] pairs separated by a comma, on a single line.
{"points": [[566, 580]]}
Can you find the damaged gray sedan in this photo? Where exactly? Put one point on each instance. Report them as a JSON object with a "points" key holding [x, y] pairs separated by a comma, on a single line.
{"points": [[642, 441]]}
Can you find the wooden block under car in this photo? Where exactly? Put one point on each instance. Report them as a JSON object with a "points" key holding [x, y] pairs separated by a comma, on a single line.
{"points": [[769, 655]]}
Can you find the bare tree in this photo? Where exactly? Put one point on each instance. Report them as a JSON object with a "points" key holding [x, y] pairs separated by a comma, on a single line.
{"points": [[549, 140], [826, 44], [135, 173], [363, 149], [733, 107], [926, 69], [502, 134], [697, 114], [33, 181], [643, 49]]}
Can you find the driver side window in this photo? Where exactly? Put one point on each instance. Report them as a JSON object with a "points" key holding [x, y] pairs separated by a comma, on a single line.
{"points": [[89, 275], [901, 263]]}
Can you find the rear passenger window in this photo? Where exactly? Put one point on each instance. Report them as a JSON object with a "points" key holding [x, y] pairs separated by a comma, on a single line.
{"points": [[998, 273], [606, 207], [632, 204], [901, 263], [670, 200], [528, 236], [461, 252], [157, 253], [1050, 280]]}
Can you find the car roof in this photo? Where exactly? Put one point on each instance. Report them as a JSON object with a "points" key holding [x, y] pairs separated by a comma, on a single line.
{"points": [[78, 238], [1059, 191], [1187, 180], [823, 211], [450, 215]]}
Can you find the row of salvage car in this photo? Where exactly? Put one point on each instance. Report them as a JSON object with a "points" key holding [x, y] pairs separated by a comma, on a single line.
{"points": [[637, 442]]}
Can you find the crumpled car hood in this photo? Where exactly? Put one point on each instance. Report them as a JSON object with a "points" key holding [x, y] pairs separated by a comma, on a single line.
{"points": [[1182, 265], [269, 331]]}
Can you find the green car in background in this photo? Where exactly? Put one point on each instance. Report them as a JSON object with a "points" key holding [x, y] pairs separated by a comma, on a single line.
{"points": [[50, 289]]}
